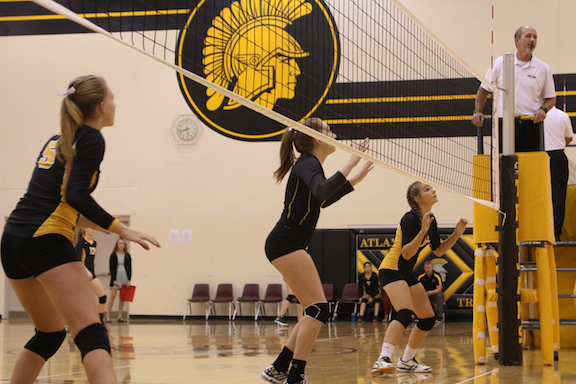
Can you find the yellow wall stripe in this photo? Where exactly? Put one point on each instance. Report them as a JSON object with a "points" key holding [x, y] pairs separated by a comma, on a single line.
{"points": [[100, 15], [399, 119]]}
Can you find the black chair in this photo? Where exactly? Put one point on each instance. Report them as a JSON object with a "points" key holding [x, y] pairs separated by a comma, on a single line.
{"points": [[200, 293]]}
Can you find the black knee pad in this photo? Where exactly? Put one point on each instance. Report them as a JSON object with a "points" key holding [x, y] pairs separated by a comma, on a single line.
{"points": [[92, 337], [405, 316], [46, 344], [293, 299], [364, 300], [102, 299], [318, 311], [426, 324], [377, 300]]}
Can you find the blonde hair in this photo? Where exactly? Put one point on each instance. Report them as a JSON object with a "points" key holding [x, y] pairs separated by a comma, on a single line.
{"points": [[411, 194], [300, 141], [89, 91]]}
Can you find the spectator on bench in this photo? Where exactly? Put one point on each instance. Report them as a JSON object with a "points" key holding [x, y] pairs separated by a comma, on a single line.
{"points": [[368, 291], [432, 283]]}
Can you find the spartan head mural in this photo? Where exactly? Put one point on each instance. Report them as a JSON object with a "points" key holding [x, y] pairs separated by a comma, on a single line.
{"points": [[281, 54]]}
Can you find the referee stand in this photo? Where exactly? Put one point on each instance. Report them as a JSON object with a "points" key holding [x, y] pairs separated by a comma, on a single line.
{"points": [[536, 288]]}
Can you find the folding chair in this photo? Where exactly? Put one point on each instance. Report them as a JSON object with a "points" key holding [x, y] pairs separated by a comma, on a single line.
{"points": [[251, 293], [349, 295], [273, 295], [200, 293], [224, 295]]}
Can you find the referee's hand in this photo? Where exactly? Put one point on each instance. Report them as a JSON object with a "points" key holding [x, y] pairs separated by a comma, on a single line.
{"points": [[478, 118]]}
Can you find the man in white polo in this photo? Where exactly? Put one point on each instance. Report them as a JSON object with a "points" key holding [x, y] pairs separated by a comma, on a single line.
{"points": [[558, 133], [534, 92]]}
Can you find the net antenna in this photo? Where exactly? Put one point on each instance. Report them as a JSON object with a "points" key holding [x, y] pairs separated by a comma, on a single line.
{"points": [[391, 79]]}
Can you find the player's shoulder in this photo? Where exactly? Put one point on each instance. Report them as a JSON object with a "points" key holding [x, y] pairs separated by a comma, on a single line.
{"points": [[410, 217], [306, 161], [86, 133]]}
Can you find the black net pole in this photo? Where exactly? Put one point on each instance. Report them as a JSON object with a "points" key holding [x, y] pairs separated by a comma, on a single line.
{"points": [[509, 322]]}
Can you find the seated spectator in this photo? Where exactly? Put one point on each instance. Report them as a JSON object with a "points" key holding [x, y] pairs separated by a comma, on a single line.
{"points": [[368, 291], [433, 285]]}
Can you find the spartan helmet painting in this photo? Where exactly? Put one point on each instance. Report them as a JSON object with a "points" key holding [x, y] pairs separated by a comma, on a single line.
{"points": [[247, 49]]}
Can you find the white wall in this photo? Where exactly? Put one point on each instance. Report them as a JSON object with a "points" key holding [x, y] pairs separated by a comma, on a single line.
{"points": [[220, 188]]}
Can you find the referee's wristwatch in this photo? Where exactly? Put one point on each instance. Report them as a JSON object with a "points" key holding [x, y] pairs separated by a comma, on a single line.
{"points": [[544, 109]]}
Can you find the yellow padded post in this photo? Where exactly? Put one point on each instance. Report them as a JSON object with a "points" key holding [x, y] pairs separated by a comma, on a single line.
{"points": [[479, 314], [554, 291], [491, 306], [545, 305]]}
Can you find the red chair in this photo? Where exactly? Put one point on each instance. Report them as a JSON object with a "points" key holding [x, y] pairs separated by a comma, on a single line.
{"points": [[349, 295], [224, 295], [329, 293], [273, 295], [251, 293], [200, 293]]}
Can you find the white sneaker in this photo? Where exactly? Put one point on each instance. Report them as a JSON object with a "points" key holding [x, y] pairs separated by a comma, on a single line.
{"points": [[383, 365], [412, 366]]}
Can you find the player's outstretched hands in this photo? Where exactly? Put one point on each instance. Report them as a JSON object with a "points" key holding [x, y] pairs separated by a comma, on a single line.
{"points": [[363, 147], [461, 227], [363, 172]]}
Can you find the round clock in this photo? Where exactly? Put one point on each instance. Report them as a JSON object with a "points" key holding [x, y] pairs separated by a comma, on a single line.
{"points": [[186, 129]]}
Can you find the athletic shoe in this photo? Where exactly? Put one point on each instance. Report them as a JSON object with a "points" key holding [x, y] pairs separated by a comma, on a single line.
{"points": [[281, 320], [303, 381], [412, 366], [383, 365], [273, 376]]}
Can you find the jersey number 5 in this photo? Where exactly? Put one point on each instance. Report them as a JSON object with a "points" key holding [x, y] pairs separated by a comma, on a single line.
{"points": [[48, 155]]}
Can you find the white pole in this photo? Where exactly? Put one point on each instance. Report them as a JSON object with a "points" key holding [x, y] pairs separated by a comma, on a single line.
{"points": [[508, 105]]}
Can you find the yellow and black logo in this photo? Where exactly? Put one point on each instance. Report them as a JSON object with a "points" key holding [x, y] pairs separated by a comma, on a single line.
{"points": [[281, 54]]}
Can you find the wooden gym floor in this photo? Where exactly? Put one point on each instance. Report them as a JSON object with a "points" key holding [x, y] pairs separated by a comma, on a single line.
{"points": [[219, 351]]}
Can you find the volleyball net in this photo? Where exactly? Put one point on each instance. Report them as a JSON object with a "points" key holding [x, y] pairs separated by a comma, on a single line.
{"points": [[369, 68]]}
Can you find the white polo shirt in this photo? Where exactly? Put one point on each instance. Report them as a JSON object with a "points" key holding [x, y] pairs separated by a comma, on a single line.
{"points": [[557, 128], [533, 83]]}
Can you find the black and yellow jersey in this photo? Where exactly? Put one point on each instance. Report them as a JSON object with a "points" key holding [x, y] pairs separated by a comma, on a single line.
{"points": [[308, 190], [408, 229], [430, 282], [56, 194], [368, 286], [87, 253]]}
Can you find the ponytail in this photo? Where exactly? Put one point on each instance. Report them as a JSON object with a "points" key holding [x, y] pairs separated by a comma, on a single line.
{"points": [[411, 194], [291, 139], [78, 105]]}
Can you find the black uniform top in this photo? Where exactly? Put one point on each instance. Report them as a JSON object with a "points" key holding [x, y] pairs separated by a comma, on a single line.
{"points": [[366, 286], [308, 190], [430, 283], [87, 253], [407, 230], [56, 194]]}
